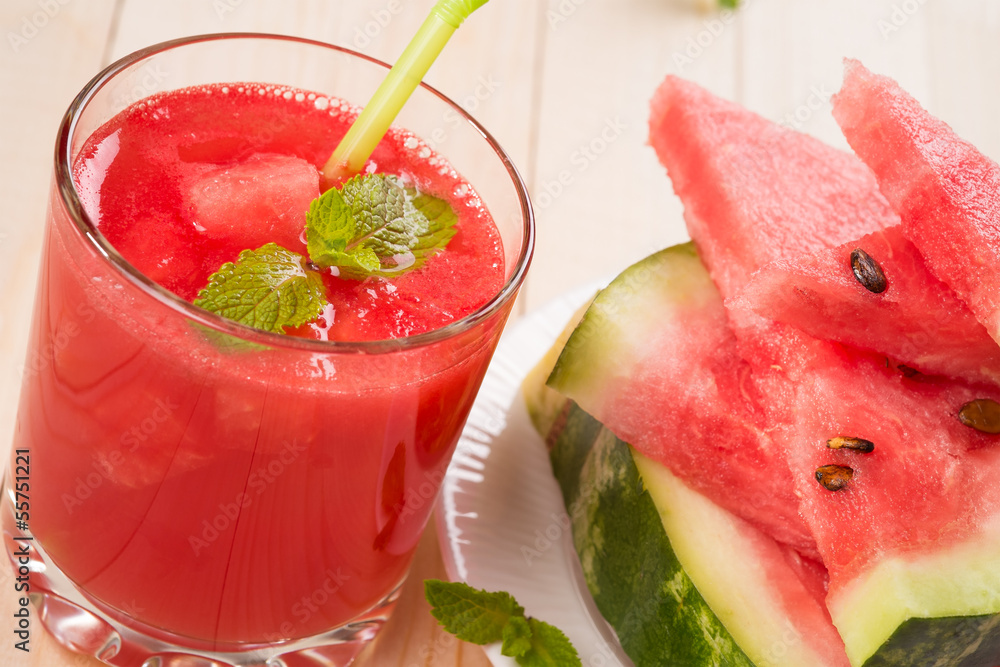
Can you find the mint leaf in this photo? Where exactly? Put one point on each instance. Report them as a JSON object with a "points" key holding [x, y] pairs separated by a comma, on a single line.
{"points": [[375, 226], [481, 617], [268, 289], [549, 647], [516, 637], [471, 615]]}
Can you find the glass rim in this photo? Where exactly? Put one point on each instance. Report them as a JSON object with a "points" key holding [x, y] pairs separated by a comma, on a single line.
{"points": [[93, 237]]}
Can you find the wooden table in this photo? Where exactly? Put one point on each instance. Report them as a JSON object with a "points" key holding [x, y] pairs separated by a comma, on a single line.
{"points": [[563, 84]]}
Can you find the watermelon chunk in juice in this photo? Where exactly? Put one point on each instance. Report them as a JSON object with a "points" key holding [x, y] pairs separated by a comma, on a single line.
{"points": [[944, 189], [260, 200]]}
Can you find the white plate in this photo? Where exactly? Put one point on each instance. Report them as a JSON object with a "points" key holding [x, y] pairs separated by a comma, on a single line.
{"points": [[501, 519]]}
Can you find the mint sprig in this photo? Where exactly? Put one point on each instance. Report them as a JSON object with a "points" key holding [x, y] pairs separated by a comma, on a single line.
{"points": [[269, 288], [481, 617], [372, 225]]}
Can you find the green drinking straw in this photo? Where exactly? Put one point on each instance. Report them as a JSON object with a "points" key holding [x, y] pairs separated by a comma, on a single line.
{"points": [[359, 142]]}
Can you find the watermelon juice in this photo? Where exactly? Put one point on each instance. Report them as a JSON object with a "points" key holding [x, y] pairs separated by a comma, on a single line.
{"points": [[206, 486]]}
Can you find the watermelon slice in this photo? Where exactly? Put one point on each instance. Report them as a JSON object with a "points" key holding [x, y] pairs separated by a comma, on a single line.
{"points": [[917, 321], [262, 199], [908, 542], [698, 395], [944, 189], [754, 191], [911, 545], [656, 552], [916, 532], [659, 558]]}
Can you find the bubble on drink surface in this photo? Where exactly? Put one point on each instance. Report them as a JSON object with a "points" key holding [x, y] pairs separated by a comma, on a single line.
{"points": [[299, 97], [411, 142], [322, 103]]}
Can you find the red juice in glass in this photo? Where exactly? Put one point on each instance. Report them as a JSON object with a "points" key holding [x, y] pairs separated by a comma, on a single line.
{"points": [[202, 488]]}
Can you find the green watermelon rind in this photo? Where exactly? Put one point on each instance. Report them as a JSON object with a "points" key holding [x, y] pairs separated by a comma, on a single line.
{"points": [[949, 641], [877, 613], [619, 319], [619, 538], [877, 618]]}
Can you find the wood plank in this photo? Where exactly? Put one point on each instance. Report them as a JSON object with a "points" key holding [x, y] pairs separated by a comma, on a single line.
{"points": [[39, 82], [790, 79], [963, 62], [602, 200]]}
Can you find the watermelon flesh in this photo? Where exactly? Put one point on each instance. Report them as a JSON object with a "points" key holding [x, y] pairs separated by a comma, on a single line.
{"points": [[944, 189], [923, 496], [676, 389], [915, 533], [769, 599], [917, 321], [754, 191], [253, 202]]}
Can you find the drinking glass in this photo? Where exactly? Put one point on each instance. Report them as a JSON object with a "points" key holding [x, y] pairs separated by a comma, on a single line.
{"points": [[185, 490]]}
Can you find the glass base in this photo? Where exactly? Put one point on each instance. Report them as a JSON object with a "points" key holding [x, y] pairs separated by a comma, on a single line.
{"points": [[80, 625]]}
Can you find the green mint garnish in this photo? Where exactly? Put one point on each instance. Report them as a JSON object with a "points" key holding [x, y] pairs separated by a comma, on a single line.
{"points": [[480, 617], [269, 288], [373, 225]]}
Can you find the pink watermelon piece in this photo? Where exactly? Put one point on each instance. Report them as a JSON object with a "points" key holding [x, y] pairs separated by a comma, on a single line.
{"points": [[260, 200], [944, 189], [917, 321], [929, 484], [754, 191], [676, 389], [756, 194]]}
